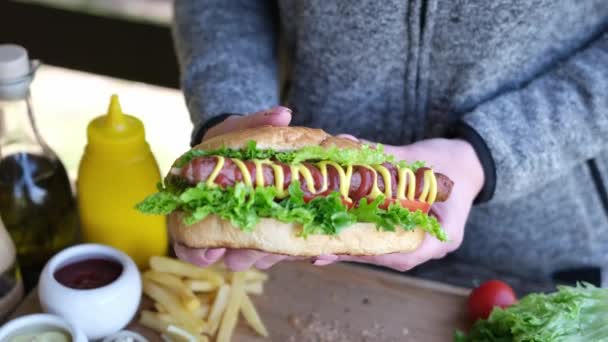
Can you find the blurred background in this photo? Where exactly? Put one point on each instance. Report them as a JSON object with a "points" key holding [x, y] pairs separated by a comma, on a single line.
{"points": [[90, 49], [152, 11]]}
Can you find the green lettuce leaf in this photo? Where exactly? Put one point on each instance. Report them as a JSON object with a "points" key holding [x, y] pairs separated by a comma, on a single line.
{"points": [[160, 203], [365, 155], [396, 216], [244, 205], [572, 314]]}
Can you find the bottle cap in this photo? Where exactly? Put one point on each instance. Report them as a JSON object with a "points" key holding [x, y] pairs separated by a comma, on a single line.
{"points": [[16, 72], [117, 133]]}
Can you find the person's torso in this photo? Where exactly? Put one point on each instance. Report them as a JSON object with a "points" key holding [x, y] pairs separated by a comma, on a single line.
{"points": [[397, 71]]}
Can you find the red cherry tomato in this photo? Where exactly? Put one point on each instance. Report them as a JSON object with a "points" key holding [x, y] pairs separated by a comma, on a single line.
{"points": [[488, 295], [407, 204]]}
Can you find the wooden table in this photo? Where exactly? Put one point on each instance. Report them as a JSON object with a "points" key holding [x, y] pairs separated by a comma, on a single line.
{"points": [[344, 303]]}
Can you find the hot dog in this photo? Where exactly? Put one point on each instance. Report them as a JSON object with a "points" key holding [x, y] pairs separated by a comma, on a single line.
{"points": [[298, 191], [199, 169]]}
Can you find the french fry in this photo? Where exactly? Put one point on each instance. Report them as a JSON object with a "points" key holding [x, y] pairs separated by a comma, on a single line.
{"points": [[201, 312], [169, 280], [218, 307], [150, 320], [173, 305], [255, 275], [255, 288], [160, 308], [220, 266], [252, 317], [176, 285], [182, 269], [176, 338], [192, 301], [200, 285], [232, 310], [182, 334], [205, 298], [165, 317]]}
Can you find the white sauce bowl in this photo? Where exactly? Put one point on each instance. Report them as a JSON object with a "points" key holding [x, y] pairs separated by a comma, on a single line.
{"points": [[98, 312], [29, 323]]}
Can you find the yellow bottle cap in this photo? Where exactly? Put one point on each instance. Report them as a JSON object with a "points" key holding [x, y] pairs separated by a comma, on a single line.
{"points": [[116, 133]]}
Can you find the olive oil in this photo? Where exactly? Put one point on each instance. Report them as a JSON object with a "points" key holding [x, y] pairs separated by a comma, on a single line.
{"points": [[36, 201], [38, 209]]}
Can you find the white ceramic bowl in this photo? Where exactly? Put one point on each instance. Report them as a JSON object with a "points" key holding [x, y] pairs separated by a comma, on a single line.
{"points": [[98, 312], [26, 324]]}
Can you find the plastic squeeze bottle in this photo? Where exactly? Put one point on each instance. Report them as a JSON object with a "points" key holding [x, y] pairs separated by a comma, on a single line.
{"points": [[116, 172]]}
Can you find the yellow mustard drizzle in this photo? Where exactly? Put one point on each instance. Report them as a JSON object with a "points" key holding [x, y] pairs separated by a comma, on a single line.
{"points": [[404, 176], [345, 177], [299, 169], [323, 168], [279, 179], [375, 192], [388, 186], [425, 189], [406, 179], [259, 173], [216, 171], [429, 187], [430, 176], [244, 171]]}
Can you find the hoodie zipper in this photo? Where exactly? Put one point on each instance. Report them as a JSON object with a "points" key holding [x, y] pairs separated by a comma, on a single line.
{"points": [[599, 183], [427, 21], [420, 32]]}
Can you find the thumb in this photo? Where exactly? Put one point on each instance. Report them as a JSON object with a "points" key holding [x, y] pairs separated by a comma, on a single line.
{"points": [[276, 116]]}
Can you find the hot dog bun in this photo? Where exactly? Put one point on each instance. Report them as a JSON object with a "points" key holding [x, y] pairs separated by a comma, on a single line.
{"points": [[274, 236], [277, 138]]}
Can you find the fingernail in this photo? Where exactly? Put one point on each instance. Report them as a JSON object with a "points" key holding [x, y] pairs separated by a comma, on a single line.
{"points": [[212, 253], [284, 109], [322, 262], [348, 136], [280, 111], [276, 111], [179, 251]]}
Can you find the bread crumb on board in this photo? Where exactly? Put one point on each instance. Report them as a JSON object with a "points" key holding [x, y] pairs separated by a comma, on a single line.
{"points": [[312, 328]]}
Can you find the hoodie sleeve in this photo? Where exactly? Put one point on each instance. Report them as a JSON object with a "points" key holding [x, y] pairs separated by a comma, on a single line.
{"points": [[227, 55], [534, 134]]}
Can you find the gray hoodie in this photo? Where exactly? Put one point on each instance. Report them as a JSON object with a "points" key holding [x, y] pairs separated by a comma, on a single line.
{"points": [[526, 79]]}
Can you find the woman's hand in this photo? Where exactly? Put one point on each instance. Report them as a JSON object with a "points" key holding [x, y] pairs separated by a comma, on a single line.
{"points": [[456, 159], [276, 116], [234, 259]]}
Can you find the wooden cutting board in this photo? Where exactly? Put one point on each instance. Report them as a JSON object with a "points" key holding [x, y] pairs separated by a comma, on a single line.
{"points": [[341, 303]]}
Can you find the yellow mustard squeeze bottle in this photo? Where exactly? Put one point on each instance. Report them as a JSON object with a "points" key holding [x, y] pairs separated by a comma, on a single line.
{"points": [[116, 172]]}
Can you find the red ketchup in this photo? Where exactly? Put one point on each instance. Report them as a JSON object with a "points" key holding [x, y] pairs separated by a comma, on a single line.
{"points": [[89, 273]]}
